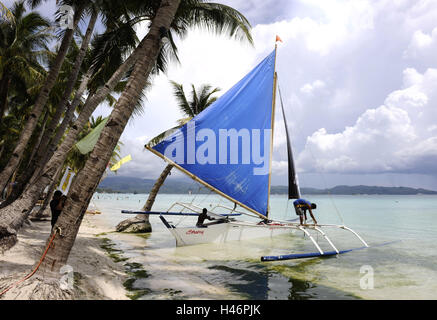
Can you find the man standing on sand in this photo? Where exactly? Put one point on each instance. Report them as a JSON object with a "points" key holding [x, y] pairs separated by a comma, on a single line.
{"points": [[56, 206], [301, 206]]}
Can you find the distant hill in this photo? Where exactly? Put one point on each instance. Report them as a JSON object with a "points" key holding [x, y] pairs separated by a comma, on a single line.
{"points": [[174, 186], [137, 185]]}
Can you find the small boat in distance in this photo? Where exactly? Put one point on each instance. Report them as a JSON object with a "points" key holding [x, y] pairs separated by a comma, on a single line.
{"points": [[228, 148]]}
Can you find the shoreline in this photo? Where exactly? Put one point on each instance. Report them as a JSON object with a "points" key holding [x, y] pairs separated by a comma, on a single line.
{"points": [[96, 275]]}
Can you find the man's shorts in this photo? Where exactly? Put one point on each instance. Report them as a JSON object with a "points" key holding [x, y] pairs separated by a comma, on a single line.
{"points": [[299, 211]]}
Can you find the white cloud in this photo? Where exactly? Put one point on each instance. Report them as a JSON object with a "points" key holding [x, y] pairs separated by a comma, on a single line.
{"points": [[309, 88], [358, 81], [398, 136], [421, 44]]}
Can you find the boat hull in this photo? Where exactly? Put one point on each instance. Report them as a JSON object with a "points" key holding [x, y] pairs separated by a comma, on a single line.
{"points": [[224, 232]]}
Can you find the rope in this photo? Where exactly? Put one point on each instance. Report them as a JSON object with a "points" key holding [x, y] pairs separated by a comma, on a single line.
{"points": [[36, 268], [286, 209], [329, 193], [321, 174]]}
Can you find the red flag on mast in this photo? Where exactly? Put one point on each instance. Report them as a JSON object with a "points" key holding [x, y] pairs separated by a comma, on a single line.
{"points": [[278, 39]]}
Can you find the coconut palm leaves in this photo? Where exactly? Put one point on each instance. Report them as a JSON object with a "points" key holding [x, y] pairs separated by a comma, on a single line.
{"points": [[200, 99], [23, 47], [6, 14], [190, 107], [214, 17]]}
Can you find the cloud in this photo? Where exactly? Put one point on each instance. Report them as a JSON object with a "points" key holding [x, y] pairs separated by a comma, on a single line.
{"points": [[310, 87], [398, 136], [357, 81], [422, 44]]}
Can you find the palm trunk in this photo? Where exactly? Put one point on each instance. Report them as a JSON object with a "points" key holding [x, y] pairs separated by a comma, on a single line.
{"points": [[42, 152], [158, 184], [39, 105], [140, 223], [39, 140], [70, 112], [4, 89], [24, 177], [80, 196], [16, 213], [51, 148]]}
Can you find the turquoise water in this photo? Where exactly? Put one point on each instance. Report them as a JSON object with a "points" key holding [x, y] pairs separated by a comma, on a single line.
{"points": [[405, 269]]}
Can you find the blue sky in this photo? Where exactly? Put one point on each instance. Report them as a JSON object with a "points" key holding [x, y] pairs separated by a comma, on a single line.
{"points": [[358, 79]]}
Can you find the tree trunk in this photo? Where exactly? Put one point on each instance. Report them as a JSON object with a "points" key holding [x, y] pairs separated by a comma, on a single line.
{"points": [[4, 89], [48, 135], [140, 223], [51, 148], [39, 105], [79, 197], [24, 177], [16, 213]]}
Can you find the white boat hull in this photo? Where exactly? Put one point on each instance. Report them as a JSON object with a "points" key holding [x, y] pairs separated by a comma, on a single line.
{"points": [[224, 232]]}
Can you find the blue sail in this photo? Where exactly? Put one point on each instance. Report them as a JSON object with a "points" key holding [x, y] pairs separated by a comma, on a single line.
{"points": [[227, 146]]}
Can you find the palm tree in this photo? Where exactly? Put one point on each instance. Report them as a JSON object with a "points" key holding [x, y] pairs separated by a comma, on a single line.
{"points": [[42, 154], [76, 160], [22, 46], [16, 212], [43, 95], [200, 100], [165, 16], [168, 14], [6, 13]]}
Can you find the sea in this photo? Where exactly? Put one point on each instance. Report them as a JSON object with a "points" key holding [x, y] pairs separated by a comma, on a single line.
{"points": [[401, 262]]}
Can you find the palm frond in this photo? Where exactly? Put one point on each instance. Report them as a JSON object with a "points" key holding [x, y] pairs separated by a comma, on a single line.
{"points": [[215, 17], [183, 104]]}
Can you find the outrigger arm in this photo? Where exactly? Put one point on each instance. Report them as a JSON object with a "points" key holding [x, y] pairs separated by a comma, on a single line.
{"points": [[356, 234], [320, 252], [312, 239], [326, 237]]}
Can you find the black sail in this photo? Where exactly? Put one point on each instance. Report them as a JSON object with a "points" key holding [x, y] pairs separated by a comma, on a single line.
{"points": [[293, 186]]}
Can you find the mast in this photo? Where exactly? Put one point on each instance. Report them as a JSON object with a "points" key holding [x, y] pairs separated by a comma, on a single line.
{"points": [[275, 81]]}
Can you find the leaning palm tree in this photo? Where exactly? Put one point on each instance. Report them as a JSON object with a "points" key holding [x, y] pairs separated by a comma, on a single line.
{"points": [[200, 100], [75, 160], [106, 79], [69, 88], [43, 95], [165, 17]]}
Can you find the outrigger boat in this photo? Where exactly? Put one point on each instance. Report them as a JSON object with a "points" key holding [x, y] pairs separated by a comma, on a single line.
{"points": [[239, 172]]}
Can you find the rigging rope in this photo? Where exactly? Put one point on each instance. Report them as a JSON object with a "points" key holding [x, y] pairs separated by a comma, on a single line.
{"points": [[321, 173], [37, 267]]}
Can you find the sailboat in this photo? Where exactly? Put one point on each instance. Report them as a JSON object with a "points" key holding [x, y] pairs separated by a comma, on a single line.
{"points": [[228, 149]]}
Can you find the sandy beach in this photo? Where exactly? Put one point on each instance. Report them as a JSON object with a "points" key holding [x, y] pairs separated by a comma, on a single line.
{"points": [[96, 275]]}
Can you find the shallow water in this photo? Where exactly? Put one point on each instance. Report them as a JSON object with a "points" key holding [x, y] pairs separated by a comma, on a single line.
{"points": [[405, 269]]}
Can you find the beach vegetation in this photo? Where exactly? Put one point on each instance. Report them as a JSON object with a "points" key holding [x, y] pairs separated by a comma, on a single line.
{"points": [[80, 72]]}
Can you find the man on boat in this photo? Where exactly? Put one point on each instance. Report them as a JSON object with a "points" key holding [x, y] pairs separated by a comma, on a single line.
{"points": [[301, 206], [202, 217]]}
